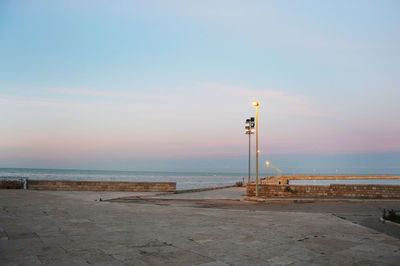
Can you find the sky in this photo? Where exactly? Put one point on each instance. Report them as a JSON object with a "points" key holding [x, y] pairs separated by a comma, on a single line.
{"points": [[168, 85]]}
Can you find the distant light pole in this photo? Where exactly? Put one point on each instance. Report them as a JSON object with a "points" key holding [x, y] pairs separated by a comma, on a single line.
{"points": [[256, 104], [267, 163], [249, 131]]}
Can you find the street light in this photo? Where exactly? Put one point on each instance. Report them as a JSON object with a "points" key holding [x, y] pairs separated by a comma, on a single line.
{"points": [[256, 104], [267, 163], [249, 131]]}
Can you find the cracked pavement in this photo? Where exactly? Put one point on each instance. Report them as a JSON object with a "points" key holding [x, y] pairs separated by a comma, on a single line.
{"points": [[204, 228]]}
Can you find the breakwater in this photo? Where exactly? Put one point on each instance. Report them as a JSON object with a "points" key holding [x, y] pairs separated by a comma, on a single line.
{"points": [[296, 179], [89, 185], [331, 191]]}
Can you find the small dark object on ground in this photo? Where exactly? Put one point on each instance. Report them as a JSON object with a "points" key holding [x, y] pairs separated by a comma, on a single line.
{"points": [[391, 215], [239, 184]]}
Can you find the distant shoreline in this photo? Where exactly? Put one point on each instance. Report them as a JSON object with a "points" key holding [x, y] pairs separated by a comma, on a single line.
{"points": [[297, 172]]}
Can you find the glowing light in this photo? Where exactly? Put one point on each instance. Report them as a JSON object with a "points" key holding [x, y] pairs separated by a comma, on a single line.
{"points": [[254, 103]]}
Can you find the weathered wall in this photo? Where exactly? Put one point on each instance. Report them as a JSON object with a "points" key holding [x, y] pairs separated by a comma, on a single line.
{"points": [[101, 186], [284, 178], [332, 191], [11, 184]]}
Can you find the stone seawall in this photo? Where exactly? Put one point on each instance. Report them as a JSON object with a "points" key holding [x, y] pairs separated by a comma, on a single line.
{"points": [[101, 186], [11, 184], [284, 179], [332, 191]]}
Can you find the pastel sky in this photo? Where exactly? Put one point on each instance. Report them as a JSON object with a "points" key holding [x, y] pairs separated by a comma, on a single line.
{"points": [[167, 85]]}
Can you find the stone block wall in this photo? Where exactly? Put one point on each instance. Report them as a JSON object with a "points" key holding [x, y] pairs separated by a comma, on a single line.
{"points": [[284, 179], [101, 186], [11, 184], [332, 191]]}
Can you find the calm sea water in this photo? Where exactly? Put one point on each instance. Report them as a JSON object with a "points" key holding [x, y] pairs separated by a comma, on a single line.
{"points": [[184, 180]]}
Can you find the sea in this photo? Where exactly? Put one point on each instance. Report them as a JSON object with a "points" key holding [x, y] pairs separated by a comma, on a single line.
{"points": [[186, 180]]}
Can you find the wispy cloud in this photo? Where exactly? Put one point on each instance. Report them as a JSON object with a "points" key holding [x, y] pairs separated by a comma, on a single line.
{"points": [[8, 100], [102, 93], [214, 95], [277, 99]]}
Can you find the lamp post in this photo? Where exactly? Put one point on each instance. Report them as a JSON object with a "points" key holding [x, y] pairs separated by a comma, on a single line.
{"points": [[256, 104], [267, 163], [249, 131]]}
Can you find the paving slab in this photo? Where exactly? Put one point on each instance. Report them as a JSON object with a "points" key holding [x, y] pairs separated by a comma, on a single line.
{"points": [[99, 195], [233, 193], [60, 229]]}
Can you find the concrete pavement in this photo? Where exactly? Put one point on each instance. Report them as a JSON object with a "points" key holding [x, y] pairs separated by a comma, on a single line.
{"points": [[64, 228]]}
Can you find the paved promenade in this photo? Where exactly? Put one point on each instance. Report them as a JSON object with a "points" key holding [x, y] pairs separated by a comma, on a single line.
{"points": [[204, 228]]}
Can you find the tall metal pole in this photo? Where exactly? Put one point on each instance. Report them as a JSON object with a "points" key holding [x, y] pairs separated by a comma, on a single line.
{"points": [[257, 150], [249, 130], [249, 155]]}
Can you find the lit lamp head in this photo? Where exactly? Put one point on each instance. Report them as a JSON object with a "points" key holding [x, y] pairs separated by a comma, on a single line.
{"points": [[255, 103], [267, 163]]}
